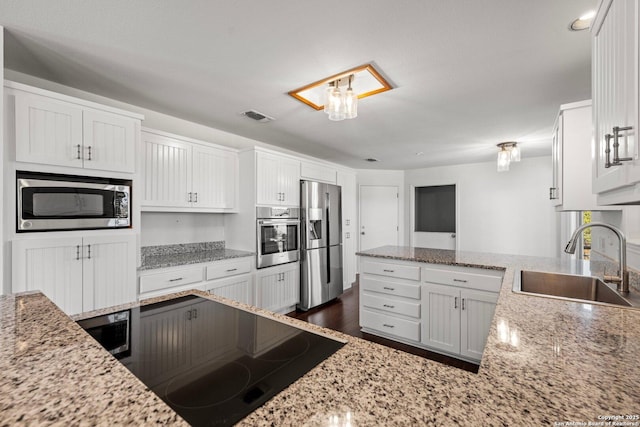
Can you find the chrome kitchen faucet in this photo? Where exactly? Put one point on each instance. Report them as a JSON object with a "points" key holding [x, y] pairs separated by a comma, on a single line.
{"points": [[623, 280]]}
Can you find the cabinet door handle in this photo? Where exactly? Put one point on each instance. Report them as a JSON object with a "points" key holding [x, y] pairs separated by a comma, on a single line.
{"points": [[77, 252], [617, 160], [189, 315], [78, 152], [388, 306], [88, 251], [195, 313], [552, 193], [196, 197], [89, 148], [455, 303], [189, 197], [463, 303], [231, 269], [386, 325], [607, 150], [388, 271], [389, 289], [177, 279], [460, 280]]}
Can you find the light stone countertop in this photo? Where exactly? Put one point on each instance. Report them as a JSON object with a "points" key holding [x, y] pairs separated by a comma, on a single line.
{"points": [[572, 362]]}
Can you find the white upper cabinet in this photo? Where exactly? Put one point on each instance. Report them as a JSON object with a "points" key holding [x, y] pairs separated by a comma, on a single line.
{"points": [[181, 174], [58, 130], [109, 142], [277, 180], [48, 131], [317, 172], [616, 167], [571, 157]]}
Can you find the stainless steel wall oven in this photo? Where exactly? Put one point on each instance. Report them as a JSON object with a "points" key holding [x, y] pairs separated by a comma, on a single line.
{"points": [[278, 232], [48, 202]]}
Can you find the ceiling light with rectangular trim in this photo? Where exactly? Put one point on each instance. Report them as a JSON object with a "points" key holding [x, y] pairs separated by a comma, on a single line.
{"points": [[338, 95]]}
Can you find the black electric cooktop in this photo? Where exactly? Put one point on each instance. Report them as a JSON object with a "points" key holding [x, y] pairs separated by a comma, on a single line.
{"points": [[215, 364]]}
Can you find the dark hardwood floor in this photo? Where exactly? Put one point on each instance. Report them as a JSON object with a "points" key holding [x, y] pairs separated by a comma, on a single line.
{"points": [[342, 315]]}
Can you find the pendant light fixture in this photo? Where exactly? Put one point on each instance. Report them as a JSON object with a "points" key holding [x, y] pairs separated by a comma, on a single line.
{"points": [[341, 105], [509, 152]]}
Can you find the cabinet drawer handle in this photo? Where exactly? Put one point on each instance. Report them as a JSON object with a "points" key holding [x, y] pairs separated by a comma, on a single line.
{"points": [[176, 279], [455, 303], [78, 152], [389, 289], [388, 306], [389, 271], [388, 326], [231, 269], [460, 280]]}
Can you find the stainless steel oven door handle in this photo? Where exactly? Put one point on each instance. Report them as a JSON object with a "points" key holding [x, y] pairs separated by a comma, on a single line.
{"points": [[278, 221]]}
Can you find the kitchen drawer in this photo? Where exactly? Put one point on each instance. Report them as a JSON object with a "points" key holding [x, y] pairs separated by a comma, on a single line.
{"points": [[409, 272], [462, 279], [170, 279], [407, 329], [228, 268], [390, 287], [406, 308]]}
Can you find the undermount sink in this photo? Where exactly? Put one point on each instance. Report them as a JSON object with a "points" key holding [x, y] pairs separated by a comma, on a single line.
{"points": [[570, 287]]}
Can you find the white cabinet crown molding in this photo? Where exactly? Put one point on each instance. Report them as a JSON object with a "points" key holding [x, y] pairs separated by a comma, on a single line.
{"points": [[66, 98]]}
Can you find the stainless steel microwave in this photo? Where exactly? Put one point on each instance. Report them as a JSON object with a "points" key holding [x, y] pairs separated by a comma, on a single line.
{"points": [[49, 202]]}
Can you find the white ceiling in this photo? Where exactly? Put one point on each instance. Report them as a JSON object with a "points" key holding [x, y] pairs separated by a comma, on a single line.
{"points": [[467, 74]]}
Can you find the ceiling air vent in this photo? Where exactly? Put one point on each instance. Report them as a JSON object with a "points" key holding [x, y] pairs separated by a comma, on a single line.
{"points": [[257, 116]]}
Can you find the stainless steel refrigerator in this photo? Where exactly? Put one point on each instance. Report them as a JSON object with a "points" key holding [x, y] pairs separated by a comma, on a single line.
{"points": [[321, 243]]}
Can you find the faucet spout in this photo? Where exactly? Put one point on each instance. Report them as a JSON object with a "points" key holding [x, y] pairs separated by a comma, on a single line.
{"points": [[622, 281]]}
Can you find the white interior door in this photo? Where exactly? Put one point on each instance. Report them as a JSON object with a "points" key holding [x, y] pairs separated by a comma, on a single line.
{"points": [[378, 216]]}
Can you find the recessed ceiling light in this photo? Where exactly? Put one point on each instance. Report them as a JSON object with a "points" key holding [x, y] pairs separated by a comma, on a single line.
{"points": [[371, 159], [420, 153], [584, 22]]}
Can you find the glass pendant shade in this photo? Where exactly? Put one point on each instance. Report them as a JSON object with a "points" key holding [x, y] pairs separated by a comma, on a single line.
{"points": [[327, 97], [503, 160], [515, 153], [350, 104], [336, 105]]}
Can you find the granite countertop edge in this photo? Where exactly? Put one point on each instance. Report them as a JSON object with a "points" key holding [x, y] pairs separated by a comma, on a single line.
{"points": [[156, 262]]}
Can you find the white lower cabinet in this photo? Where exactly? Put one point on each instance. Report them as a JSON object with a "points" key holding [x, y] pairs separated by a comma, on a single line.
{"points": [[390, 302], [278, 288], [229, 278], [447, 309], [77, 273]]}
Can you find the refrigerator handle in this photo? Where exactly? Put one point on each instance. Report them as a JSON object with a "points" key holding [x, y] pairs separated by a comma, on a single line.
{"points": [[327, 204]]}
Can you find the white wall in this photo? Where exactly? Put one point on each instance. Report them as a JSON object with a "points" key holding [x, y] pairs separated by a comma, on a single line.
{"points": [[507, 212], [159, 228], [385, 177]]}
